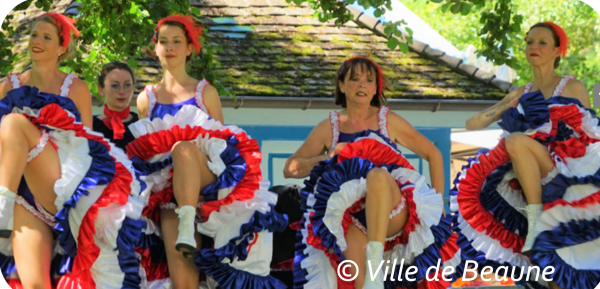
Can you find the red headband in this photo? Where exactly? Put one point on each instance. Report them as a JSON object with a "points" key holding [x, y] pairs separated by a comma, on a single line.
{"points": [[65, 26], [380, 84], [562, 37], [192, 30]]}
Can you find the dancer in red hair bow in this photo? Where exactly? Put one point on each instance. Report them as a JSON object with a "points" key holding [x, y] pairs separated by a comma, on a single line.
{"points": [[202, 177], [534, 199], [76, 218], [363, 193]]}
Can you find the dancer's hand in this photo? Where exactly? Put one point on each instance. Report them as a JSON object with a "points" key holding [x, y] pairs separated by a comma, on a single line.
{"points": [[338, 148]]}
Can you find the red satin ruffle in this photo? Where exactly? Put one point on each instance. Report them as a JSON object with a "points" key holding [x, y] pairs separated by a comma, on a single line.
{"points": [[468, 199]]}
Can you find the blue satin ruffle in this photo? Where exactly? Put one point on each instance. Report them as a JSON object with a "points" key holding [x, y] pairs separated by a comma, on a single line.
{"points": [[129, 263], [29, 96], [567, 234], [7, 264], [210, 260], [346, 137], [235, 170], [536, 113], [327, 177], [557, 188], [146, 168], [492, 201], [429, 257], [160, 110], [101, 172]]}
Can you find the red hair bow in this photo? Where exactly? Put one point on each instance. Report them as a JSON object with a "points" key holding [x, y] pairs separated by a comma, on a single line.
{"points": [[380, 84], [192, 30], [65, 26]]}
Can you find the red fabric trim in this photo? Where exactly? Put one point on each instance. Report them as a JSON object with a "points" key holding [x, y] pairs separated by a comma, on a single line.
{"points": [[150, 145], [14, 283], [284, 265], [411, 222], [114, 121], [573, 117], [116, 192], [375, 152], [253, 242], [295, 226], [152, 210], [154, 271], [468, 199], [571, 148], [583, 203], [450, 248]]}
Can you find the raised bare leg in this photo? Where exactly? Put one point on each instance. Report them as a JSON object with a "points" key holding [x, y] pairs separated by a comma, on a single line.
{"points": [[17, 137], [531, 161], [190, 175], [383, 195]]}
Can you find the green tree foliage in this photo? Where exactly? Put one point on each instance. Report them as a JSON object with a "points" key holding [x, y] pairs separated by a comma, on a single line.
{"points": [[498, 28], [114, 30], [580, 22]]}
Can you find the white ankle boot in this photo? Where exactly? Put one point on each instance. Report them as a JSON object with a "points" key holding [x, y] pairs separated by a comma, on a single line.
{"points": [[7, 206], [533, 213], [375, 255], [186, 243]]}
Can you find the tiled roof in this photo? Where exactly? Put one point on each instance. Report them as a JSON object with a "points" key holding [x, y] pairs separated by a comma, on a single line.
{"points": [[272, 48]]}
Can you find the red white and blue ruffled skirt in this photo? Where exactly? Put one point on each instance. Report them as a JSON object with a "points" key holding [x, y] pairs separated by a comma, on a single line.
{"points": [[97, 197], [333, 198], [488, 200], [238, 213]]}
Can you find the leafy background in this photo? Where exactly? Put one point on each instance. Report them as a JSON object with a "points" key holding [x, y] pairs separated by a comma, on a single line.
{"points": [[118, 29]]}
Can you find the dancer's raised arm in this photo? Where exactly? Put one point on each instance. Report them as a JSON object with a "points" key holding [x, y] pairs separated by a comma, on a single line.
{"points": [[492, 114]]}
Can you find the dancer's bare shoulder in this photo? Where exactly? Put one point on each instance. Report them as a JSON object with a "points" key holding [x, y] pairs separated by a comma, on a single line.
{"points": [[576, 89]]}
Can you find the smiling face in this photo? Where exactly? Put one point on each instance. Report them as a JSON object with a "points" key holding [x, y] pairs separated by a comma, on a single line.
{"points": [[541, 47], [117, 89], [359, 85], [172, 47], [44, 42]]}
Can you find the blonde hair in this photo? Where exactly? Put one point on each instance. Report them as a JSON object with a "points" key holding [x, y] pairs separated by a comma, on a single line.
{"points": [[70, 47]]}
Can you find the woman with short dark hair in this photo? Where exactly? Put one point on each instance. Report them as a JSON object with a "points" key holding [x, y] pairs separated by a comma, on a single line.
{"points": [[362, 192], [116, 84]]}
